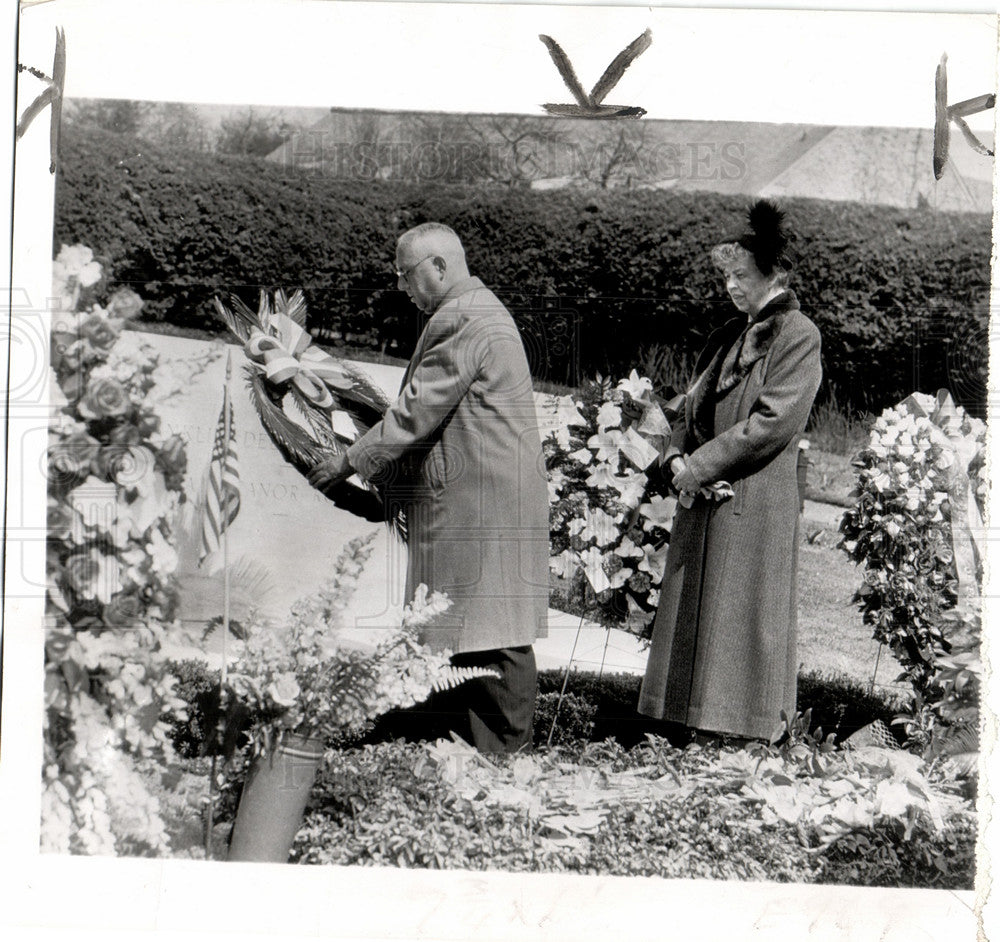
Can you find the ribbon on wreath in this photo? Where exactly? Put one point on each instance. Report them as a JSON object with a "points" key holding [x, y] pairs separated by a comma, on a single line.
{"points": [[956, 433], [287, 356]]}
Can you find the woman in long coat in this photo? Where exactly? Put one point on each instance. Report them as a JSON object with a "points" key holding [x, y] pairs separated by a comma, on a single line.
{"points": [[723, 656]]}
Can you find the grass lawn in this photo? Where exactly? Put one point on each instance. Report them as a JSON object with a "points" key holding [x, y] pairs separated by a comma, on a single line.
{"points": [[831, 478], [832, 637]]}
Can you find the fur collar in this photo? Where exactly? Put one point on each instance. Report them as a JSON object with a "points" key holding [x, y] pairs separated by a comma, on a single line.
{"points": [[730, 353]]}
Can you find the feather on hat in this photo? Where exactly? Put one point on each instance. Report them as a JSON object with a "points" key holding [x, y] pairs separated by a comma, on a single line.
{"points": [[766, 240]]}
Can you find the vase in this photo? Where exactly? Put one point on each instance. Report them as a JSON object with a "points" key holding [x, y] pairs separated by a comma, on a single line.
{"points": [[274, 800]]}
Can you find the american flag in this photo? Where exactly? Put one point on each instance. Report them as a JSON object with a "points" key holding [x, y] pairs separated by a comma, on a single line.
{"points": [[222, 487]]}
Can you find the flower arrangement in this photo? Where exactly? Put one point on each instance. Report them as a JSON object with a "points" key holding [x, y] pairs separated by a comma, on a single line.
{"points": [[916, 527], [299, 677], [115, 483], [115, 479], [919, 475], [303, 394], [609, 516]]}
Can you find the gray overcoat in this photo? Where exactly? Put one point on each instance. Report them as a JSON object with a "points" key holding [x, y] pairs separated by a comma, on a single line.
{"points": [[723, 653], [460, 448]]}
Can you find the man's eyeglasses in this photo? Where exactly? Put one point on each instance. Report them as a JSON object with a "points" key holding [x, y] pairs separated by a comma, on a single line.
{"points": [[406, 272]]}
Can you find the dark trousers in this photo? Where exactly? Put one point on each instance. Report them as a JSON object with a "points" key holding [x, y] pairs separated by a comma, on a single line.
{"points": [[494, 715]]}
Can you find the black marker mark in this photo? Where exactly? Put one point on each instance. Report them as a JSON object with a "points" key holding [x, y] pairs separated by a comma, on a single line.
{"points": [[945, 114], [52, 95], [591, 106]]}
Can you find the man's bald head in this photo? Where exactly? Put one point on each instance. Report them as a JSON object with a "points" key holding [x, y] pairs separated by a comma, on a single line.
{"points": [[431, 260], [436, 238]]}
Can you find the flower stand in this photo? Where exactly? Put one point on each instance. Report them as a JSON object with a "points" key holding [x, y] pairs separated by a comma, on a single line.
{"points": [[274, 801]]}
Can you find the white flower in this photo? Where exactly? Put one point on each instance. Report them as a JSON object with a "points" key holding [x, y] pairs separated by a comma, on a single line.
{"points": [[583, 456], [630, 486], [593, 568], [163, 557], [152, 501], [565, 564], [602, 475], [653, 597], [658, 512], [636, 386], [608, 416], [599, 526], [107, 578], [627, 549], [425, 606], [618, 578], [74, 265], [653, 561], [879, 480], [606, 444]]}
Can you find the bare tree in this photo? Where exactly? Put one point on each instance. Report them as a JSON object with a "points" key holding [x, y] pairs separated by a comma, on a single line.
{"points": [[124, 116], [252, 134], [525, 148], [614, 154], [175, 124]]}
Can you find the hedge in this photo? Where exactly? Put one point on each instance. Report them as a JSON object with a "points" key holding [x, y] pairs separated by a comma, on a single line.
{"points": [[595, 708], [593, 277]]}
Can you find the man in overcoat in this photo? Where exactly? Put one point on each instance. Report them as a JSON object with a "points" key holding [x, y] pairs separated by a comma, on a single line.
{"points": [[461, 447]]}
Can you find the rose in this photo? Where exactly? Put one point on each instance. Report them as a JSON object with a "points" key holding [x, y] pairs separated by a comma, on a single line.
{"points": [[125, 434], [123, 610], [121, 464], [148, 423], [104, 398], [61, 341], [69, 460], [125, 303], [80, 571], [172, 459], [60, 519], [284, 690], [100, 332]]}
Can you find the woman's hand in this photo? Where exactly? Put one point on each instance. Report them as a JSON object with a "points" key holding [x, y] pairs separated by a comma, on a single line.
{"points": [[684, 481]]}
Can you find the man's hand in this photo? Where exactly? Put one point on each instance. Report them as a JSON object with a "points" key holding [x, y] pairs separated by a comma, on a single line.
{"points": [[684, 480], [330, 472]]}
